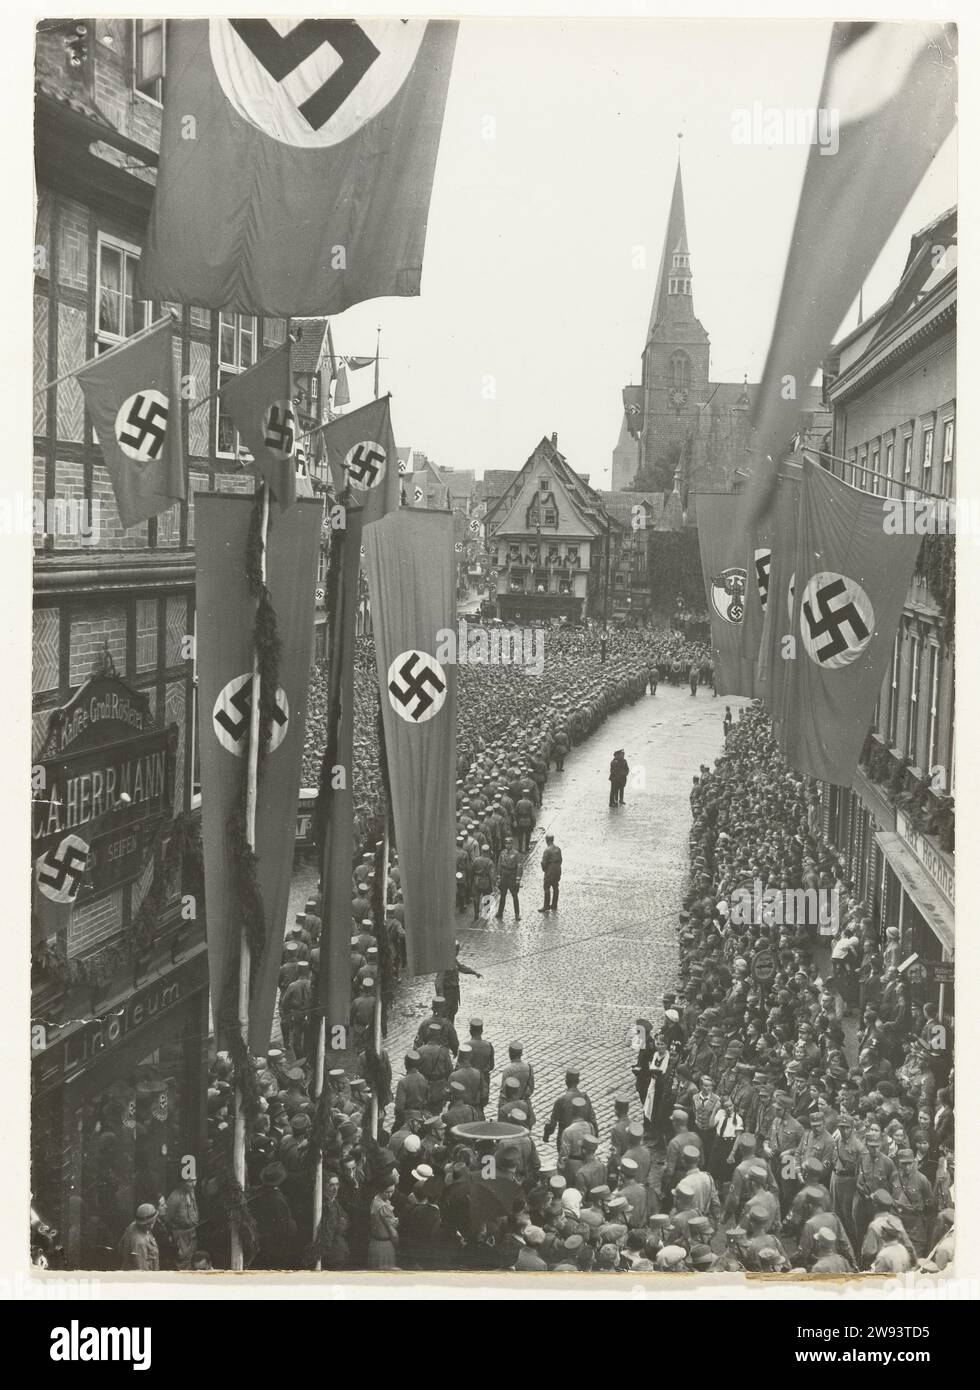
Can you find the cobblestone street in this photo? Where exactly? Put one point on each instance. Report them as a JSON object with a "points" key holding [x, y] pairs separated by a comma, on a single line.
{"points": [[570, 985]]}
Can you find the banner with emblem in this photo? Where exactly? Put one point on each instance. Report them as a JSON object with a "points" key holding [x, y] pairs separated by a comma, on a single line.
{"points": [[260, 404], [633, 409], [852, 575], [337, 828], [774, 663], [411, 573], [225, 620], [361, 451], [132, 397], [725, 583], [296, 162]]}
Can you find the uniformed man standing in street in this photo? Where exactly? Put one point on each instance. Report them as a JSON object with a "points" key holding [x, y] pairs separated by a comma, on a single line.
{"points": [[523, 1071], [563, 1112], [509, 878], [481, 1055], [551, 865], [524, 822]]}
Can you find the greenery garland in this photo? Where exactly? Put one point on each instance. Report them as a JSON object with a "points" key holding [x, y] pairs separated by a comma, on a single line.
{"points": [[936, 564], [324, 800]]}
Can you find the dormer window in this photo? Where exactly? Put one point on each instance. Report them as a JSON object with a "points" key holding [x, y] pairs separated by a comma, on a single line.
{"points": [[544, 484]]}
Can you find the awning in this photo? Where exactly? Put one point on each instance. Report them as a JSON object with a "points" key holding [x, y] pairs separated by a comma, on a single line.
{"points": [[919, 886]]}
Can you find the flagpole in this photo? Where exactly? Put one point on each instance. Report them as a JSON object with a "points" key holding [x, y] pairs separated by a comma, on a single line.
{"points": [[319, 1076], [245, 955], [377, 365], [104, 356], [378, 1002]]}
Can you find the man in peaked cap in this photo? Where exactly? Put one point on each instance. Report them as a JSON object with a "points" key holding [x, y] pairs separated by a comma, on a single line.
{"points": [[471, 1079], [563, 1109], [592, 1173], [684, 1137], [482, 1057], [412, 1091], [447, 1033]]}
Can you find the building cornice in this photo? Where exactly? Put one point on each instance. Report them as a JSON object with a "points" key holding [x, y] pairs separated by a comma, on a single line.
{"points": [[66, 576], [931, 321]]}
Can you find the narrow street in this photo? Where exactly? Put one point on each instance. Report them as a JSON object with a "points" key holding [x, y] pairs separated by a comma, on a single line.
{"points": [[570, 985]]}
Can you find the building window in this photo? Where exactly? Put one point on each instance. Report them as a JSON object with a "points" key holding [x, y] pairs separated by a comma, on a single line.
{"points": [[893, 692], [571, 555], [236, 353], [947, 480], [551, 518], [876, 470], [907, 458], [544, 484], [149, 39], [889, 466], [933, 742], [119, 314], [912, 727], [927, 436], [680, 370]]}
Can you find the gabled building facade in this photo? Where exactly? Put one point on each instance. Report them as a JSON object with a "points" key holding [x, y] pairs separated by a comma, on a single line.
{"points": [[548, 535]]}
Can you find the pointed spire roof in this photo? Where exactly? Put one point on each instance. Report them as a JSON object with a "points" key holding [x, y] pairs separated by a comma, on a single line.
{"points": [[675, 239]]}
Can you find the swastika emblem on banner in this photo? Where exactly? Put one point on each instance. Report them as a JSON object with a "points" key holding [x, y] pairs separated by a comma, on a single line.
{"points": [[279, 428], [837, 619], [763, 565], [417, 686], [232, 714], [312, 82], [60, 872], [141, 425], [419, 495], [791, 595], [728, 594], [366, 464]]}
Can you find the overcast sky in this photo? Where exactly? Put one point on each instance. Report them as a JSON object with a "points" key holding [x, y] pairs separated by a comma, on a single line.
{"points": [[529, 275]]}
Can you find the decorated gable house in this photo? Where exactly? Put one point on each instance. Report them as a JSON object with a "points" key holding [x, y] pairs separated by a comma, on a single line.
{"points": [[119, 967], [548, 535]]}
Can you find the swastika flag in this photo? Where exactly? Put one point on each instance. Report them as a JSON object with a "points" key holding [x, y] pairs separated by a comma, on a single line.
{"points": [[296, 161], [259, 402], [361, 452], [852, 576], [410, 566], [225, 620], [132, 397]]}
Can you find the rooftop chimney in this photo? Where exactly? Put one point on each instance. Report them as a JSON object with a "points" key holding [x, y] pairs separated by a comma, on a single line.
{"points": [[554, 441]]}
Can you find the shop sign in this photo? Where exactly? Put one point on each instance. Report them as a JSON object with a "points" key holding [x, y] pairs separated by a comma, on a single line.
{"points": [[938, 866], [105, 773]]}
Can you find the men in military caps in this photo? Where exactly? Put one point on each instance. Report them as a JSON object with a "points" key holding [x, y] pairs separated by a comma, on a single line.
{"points": [[509, 1100], [758, 1197], [469, 1077], [812, 1215], [528, 1164], [520, 1069], [592, 1173], [436, 1065], [294, 1007], [447, 1033], [915, 1202], [875, 1171], [706, 1199], [619, 1140], [412, 1091], [884, 1227], [571, 1149], [411, 1123], [362, 1011], [825, 1255], [781, 1144], [460, 1111], [482, 1057], [563, 1109], [638, 1197], [509, 872], [523, 820], [683, 1137]]}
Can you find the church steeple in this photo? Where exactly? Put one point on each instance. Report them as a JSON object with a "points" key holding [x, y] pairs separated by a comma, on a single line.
{"points": [[674, 275]]}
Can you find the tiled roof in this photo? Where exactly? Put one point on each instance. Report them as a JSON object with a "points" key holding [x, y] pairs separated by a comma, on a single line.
{"points": [[306, 353]]}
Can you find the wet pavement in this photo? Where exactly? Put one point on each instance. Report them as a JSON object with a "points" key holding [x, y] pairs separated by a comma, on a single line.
{"points": [[569, 985]]}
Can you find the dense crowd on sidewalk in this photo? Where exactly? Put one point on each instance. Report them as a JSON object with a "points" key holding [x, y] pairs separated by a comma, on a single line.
{"points": [[798, 1117]]}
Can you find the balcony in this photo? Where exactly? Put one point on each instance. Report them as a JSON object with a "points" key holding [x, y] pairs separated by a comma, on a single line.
{"points": [[931, 813]]}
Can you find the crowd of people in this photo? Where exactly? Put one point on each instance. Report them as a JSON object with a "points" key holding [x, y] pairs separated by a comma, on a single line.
{"points": [[790, 1109]]}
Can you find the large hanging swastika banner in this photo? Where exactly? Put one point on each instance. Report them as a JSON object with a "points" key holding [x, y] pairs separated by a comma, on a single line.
{"points": [[296, 162], [410, 565], [726, 586], [361, 450], [132, 398], [225, 619], [851, 580]]}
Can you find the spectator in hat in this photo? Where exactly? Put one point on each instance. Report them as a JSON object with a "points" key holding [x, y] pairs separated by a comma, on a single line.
{"points": [[275, 1227], [138, 1247], [383, 1239]]}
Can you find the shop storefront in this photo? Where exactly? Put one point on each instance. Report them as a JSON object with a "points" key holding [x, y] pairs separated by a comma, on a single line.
{"points": [[118, 1103], [919, 901]]}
